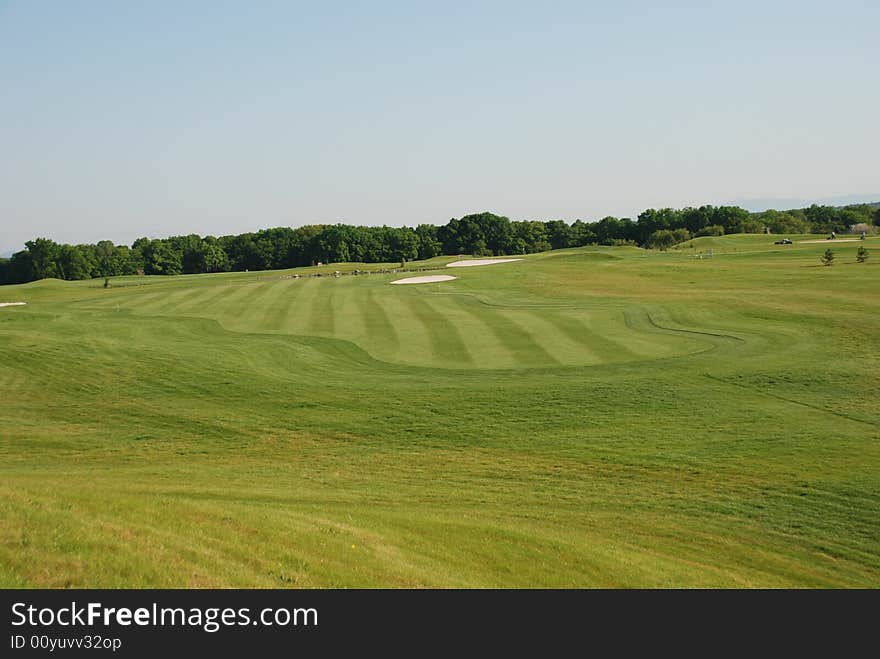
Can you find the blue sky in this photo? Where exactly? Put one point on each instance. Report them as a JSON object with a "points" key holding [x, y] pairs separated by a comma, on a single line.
{"points": [[123, 119]]}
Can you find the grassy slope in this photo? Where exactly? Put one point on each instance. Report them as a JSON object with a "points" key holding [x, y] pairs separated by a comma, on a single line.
{"points": [[591, 417]]}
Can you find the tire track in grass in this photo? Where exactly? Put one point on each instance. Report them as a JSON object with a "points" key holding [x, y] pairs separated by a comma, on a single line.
{"points": [[446, 344], [651, 340], [763, 392]]}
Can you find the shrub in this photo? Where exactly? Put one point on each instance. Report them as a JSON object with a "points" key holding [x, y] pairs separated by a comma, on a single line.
{"points": [[711, 230], [666, 238], [828, 257], [749, 225], [862, 255]]}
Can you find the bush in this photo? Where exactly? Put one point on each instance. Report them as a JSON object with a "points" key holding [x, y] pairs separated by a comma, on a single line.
{"points": [[862, 255], [867, 229], [711, 230], [828, 257], [666, 238], [750, 225]]}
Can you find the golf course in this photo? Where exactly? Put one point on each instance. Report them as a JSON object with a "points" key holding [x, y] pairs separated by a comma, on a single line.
{"points": [[703, 416]]}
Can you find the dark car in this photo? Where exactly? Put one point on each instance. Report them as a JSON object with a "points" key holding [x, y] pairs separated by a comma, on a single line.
{"points": [[784, 241]]}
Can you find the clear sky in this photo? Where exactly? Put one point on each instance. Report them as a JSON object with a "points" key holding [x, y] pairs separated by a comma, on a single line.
{"points": [[124, 119]]}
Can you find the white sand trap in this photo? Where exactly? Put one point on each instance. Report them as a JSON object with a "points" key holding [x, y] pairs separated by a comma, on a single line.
{"points": [[470, 262], [427, 279], [12, 304], [831, 242]]}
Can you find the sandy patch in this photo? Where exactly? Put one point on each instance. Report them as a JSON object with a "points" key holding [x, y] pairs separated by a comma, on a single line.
{"points": [[470, 262], [831, 242], [12, 304], [427, 279]]}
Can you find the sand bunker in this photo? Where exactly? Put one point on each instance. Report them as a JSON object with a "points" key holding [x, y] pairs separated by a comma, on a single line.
{"points": [[12, 304], [470, 262], [427, 279], [831, 242]]}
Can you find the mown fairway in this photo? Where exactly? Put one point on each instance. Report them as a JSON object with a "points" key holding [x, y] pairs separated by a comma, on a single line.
{"points": [[588, 417]]}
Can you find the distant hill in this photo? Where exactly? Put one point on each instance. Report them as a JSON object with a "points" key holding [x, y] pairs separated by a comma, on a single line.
{"points": [[758, 205]]}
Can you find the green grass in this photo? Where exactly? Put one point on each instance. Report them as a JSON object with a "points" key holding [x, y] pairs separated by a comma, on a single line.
{"points": [[588, 417]]}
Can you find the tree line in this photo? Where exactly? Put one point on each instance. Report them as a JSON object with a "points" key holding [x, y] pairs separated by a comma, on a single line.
{"points": [[482, 234]]}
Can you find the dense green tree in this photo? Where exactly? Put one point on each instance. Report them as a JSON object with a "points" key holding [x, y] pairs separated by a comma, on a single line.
{"points": [[697, 219], [104, 251], [531, 236], [856, 214], [665, 238], [121, 262], [471, 236], [461, 237], [275, 244], [825, 219], [749, 225], [581, 233], [652, 220], [558, 234], [497, 233], [783, 221], [333, 243], [73, 262], [161, 258], [43, 258], [610, 229], [215, 258], [22, 267], [137, 254], [429, 245], [477, 234], [404, 244], [247, 252], [730, 217], [303, 248]]}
